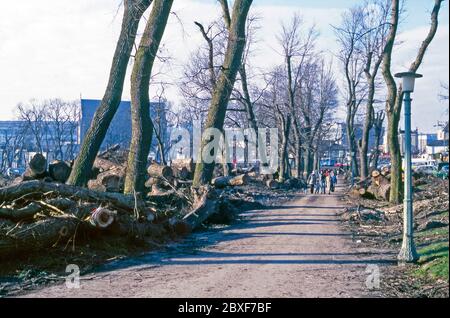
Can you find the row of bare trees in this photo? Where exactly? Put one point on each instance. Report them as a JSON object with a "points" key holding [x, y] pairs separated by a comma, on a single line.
{"points": [[367, 37], [220, 85], [296, 95]]}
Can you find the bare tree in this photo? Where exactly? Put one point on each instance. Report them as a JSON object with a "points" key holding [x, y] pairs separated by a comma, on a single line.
{"points": [[297, 48], [142, 125], [378, 122], [349, 36], [225, 84], [33, 115], [133, 11], [395, 94], [375, 26]]}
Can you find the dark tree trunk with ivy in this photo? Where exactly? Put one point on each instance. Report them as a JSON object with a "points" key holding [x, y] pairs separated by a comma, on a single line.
{"points": [[133, 11], [225, 83], [142, 125]]}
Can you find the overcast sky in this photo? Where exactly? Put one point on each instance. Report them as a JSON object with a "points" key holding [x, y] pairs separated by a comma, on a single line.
{"points": [[64, 48]]}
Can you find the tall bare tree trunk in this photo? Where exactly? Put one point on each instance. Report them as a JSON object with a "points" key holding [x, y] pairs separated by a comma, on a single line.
{"points": [[225, 83], [142, 125], [284, 158], [134, 9], [378, 125], [395, 96], [351, 139]]}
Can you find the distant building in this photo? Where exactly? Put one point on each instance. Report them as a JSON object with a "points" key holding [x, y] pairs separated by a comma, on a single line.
{"points": [[435, 147], [119, 131], [424, 139]]}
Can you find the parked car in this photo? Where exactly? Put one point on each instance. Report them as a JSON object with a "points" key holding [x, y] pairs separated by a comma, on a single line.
{"points": [[426, 169], [443, 173]]}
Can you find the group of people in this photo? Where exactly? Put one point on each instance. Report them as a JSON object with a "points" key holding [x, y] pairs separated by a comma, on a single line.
{"points": [[321, 182]]}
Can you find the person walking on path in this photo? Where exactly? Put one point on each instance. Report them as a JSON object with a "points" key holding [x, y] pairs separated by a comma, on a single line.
{"points": [[312, 181], [318, 182], [333, 180], [328, 182], [322, 182]]}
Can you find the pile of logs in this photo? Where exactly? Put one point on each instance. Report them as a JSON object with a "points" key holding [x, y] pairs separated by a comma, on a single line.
{"points": [[378, 186]]}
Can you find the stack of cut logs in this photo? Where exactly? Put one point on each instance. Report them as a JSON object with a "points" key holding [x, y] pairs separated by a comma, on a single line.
{"points": [[378, 186]]}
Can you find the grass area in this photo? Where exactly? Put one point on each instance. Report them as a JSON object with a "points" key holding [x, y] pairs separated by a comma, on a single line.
{"points": [[433, 260], [443, 231]]}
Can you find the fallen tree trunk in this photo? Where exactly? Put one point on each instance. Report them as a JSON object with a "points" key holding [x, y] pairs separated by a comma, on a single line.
{"points": [[240, 180], [222, 182], [126, 202], [24, 213], [206, 204], [108, 181], [45, 233]]}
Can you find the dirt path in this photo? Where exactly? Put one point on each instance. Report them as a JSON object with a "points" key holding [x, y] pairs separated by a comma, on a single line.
{"points": [[298, 250]]}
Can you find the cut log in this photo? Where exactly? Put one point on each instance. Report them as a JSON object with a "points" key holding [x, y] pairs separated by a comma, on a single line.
{"points": [[385, 171], [159, 171], [106, 165], [253, 174], [384, 192], [182, 173], [272, 184], [59, 171], [38, 165], [102, 218], [239, 180], [221, 182], [184, 163], [37, 168], [109, 181]]}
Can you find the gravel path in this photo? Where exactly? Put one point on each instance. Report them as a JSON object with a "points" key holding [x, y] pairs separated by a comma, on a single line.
{"points": [[297, 250]]}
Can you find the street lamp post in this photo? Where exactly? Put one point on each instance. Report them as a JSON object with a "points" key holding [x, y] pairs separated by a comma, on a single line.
{"points": [[352, 167], [408, 253]]}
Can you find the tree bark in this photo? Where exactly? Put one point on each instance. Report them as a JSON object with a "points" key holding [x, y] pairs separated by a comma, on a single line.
{"points": [[225, 83], [159, 171], [59, 171], [37, 168], [142, 125], [134, 9], [395, 97], [11, 193]]}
